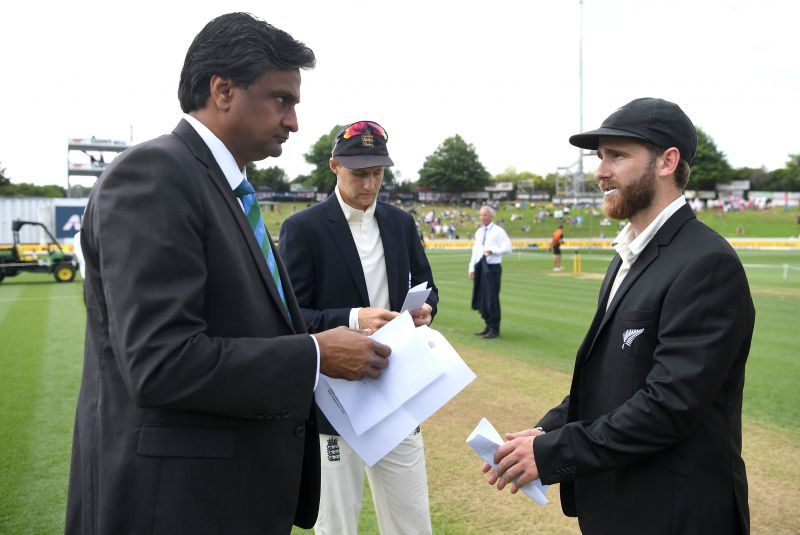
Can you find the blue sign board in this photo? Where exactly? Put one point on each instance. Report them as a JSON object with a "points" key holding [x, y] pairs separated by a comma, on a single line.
{"points": [[68, 220]]}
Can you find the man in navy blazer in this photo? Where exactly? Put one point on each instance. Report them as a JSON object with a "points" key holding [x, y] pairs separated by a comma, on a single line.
{"points": [[352, 261], [196, 411], [649, 438]]}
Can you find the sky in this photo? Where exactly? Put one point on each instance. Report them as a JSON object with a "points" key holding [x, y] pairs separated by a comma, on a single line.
{"points": [[503, 74]]}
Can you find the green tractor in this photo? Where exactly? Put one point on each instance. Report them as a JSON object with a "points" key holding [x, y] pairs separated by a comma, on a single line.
{"points": [[53, 260]]}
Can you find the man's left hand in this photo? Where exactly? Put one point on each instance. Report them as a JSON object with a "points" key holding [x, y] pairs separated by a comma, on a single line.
{"points": [[422, 315], [515, 464]]}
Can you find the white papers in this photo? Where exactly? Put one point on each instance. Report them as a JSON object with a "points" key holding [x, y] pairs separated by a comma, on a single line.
{"points": [[416, 296], [411, 369], [383, 437], [485, 440]]}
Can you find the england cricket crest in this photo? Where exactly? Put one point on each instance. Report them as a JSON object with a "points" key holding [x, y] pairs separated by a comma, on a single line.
{"points": [[333, 450]]}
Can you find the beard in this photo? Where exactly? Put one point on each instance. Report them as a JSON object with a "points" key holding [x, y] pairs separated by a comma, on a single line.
{"points": [[632, 198]]}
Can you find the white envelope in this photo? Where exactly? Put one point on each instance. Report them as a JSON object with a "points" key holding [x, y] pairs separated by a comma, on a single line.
{"points": [[383, 437], [485, 440], [416, 296], [411, 368]]}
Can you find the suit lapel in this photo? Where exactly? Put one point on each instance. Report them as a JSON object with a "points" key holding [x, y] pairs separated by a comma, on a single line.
{"points": [[291, 300], [608, 281], [600, 313], [201, 151], [649, 255], [646, 258], [340, 232], [388, 237]]}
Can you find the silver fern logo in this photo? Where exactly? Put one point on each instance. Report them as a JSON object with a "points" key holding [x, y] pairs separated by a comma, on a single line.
{"points": [[629, 336]]}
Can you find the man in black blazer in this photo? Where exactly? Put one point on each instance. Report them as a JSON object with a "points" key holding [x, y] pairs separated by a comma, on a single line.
{"points": [[196, 413], [352, 261], [649, 438]]}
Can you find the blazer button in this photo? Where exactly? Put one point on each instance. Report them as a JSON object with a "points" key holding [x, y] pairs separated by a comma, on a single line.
{"points": [[300, 431], [261, 415], [286, 413]]}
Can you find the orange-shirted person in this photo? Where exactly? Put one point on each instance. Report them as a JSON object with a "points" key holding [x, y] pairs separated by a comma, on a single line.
{"points": [[558, 239]]}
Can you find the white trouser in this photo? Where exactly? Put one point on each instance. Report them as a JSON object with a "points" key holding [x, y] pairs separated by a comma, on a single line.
{"points": [[399, 485]]}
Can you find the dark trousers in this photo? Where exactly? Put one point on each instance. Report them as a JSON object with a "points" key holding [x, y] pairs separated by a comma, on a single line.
{"points": [[492, 316]]}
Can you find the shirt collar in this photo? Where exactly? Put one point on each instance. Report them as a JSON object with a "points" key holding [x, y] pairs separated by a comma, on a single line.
{"points": [[221, 154], [629, 247], [354, 215]]}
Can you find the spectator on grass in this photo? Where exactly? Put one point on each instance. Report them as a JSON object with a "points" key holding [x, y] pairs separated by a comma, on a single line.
{"points": [[649, 438]]}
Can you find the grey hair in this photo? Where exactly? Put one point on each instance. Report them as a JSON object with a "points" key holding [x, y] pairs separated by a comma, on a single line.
{"points": [[491, 210]]}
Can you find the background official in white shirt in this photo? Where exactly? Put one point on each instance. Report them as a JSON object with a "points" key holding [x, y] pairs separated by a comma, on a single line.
{"points": [[491, 243]]}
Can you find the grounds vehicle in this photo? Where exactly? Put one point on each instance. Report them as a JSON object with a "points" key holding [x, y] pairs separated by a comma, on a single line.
{"points": [[52, 259]]}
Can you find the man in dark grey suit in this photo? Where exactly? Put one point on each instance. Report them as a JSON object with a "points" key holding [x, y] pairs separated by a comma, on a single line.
{"points": [[196, 411], [649, 438], [352, 260]]}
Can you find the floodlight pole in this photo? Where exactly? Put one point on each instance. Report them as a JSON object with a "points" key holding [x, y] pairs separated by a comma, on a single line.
{"points": [[580, 91], [68, 185]]}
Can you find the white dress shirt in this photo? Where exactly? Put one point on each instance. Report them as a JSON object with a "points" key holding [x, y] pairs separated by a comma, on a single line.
{"points": [[629, 247], [367, 236], [490, 238], [233, 175]]}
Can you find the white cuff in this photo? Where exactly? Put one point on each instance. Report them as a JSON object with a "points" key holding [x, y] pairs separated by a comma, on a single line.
{"points": [[353, 322], [316, 377]]}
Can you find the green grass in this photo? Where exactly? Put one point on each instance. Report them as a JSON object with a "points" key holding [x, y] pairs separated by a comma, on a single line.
{"points": [[42, 338], [545, 316], [772, 223]]}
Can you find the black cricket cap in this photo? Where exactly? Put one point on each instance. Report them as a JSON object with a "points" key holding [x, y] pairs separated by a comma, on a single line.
{"points": [[658, 121], [361, 144]]}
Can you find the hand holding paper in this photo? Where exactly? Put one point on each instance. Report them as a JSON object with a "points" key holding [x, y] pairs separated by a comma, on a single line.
{"points": [[380, 439], [486, 441], [416, 297], [411, 369]]}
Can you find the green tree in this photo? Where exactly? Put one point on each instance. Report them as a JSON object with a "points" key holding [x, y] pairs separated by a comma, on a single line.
{"points": [[788, 178], [510, 174], [760, 179], [4, 180], [319, 156], [454, 168], [710, 165], [77, 191], [272, 177], [25, 189]]}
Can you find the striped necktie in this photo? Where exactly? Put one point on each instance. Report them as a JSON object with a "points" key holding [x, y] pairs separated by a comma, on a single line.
{"points": [[247, 194]]}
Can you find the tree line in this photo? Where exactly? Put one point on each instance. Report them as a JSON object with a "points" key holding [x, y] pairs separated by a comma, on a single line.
{"points": [[454, 167]]}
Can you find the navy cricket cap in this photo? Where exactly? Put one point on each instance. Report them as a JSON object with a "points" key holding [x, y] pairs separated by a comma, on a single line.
{"points": [[655, 120], [361, 144]]}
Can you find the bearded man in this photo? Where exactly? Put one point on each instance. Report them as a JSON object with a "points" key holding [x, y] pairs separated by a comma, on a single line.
{"points": [[649, 438]]}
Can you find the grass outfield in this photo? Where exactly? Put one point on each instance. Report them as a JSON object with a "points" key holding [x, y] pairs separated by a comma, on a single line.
{"points": [[772, 223], [520, 375]]}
